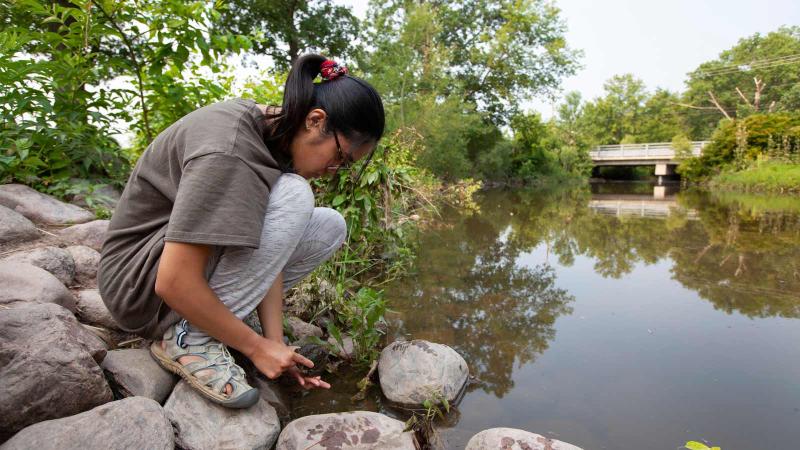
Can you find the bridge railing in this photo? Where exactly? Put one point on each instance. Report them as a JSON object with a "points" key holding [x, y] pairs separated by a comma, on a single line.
{"points": [[653, 150]]}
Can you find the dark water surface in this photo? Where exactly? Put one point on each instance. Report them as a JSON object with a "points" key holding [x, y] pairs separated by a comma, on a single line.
{"points": [[616, 317]]}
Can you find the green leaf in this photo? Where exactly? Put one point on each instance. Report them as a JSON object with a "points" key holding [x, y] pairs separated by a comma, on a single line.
{"points": [[694, 445], [338, 200]]}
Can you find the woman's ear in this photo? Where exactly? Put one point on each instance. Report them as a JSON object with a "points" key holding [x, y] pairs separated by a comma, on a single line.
{"points": [[316, 118]]}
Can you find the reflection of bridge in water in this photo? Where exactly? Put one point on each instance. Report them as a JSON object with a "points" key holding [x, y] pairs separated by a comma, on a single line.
{"points": [[625, 205]]}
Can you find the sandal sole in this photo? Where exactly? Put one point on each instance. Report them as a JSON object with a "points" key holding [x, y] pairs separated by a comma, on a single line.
{"points": [[246, 400]]}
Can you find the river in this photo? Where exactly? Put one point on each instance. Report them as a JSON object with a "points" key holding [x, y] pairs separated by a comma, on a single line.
{"points": [[617, 316]]}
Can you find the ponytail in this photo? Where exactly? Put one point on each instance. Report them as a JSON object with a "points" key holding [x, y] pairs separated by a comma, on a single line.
{"points": [[353, 107]]}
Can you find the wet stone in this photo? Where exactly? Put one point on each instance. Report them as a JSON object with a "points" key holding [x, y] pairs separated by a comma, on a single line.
{"points": [[86, 261], [412, 371], [345, 349], [14, 227], [201, 424], [514, 439], [133, 372], [135, 422], [91, 234], [55, 260], [348, 430], [26, 283], [41, 208], [302, 330], [48, 364]]}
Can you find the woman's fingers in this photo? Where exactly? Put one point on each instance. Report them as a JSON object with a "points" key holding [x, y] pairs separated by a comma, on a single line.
{"points": [[300, 359]]}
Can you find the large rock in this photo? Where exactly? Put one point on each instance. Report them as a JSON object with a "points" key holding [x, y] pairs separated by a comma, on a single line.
{"points": [[15, 227], [48, 366], [135, 422], [92, 310], [23, 282], [302, 330], [91, 234], [514, 439], [349, 430], [86, 261], [201, 424], [55, 260], [41, 208], [133, 372], [412, 371]]}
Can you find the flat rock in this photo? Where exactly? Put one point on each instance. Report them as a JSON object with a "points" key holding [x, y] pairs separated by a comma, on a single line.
{"points": [[302, 330], [274, 395], [86, 261], [201, 424], [49, 366], [133, 372], [24, 282], [55, 260], [40, 207], [92, 310], [346, 349], [412, 371], [514, 439], [15, 227], [347, 430], [91, 234], [135, 422]]}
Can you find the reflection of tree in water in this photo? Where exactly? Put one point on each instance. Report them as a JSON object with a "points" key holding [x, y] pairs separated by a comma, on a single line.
{"points": [[470, 294], [743, 254]]}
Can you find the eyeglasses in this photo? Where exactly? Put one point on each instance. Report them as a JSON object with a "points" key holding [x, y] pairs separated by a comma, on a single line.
{"points": [[347, 160]]}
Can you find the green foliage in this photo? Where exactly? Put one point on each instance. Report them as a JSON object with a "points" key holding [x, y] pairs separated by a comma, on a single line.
{"points": [[72, 73], [694, 445], [285, 29], [757, 56], [766, 176], [362, 316]]}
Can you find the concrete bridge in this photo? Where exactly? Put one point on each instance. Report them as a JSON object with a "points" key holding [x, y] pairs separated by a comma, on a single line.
{"points": [[658, 154]]}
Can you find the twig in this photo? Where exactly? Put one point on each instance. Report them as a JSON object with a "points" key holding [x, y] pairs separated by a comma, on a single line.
{"points": [[720, 108]]}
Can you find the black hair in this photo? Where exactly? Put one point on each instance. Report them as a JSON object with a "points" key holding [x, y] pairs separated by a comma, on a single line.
{"points": [[354, 108]]}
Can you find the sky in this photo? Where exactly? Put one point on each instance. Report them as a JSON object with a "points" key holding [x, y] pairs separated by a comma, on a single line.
{"points": [[657, 41]]}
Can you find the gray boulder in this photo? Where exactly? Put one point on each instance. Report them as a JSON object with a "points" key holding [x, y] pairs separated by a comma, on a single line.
{"points": [[302, 330], [201, 424], [91, 234], [55, 260], [345, 350], [348, 430], [41, 208], [27, 283], [271, 392], [48, 364], [92, 310], [86, 261], [135, 422], [412, 371], [514, 439], [133, 372], [15, 227]]}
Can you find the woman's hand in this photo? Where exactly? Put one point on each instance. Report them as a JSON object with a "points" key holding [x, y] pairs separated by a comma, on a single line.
{"points": [[305, 382], [273, 358]]}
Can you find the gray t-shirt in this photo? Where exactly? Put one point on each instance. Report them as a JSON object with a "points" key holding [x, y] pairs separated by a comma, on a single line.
{"points": [[204, 180]]}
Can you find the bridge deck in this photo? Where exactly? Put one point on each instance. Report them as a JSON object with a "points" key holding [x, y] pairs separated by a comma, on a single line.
{"points": [[630, 154]]}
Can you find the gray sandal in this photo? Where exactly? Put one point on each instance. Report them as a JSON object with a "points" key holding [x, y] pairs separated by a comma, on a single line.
{"points": [[217, 358]]}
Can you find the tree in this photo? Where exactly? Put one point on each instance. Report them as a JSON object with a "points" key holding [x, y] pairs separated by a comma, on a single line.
{"points": [[284, 29], [761, 73], [619, 112]]}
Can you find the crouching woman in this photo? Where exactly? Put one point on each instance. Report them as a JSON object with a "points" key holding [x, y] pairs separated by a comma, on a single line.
{"points": [[217, 220]]}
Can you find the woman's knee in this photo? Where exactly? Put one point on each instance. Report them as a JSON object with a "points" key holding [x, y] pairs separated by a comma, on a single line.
{"points": [[332, 225]]}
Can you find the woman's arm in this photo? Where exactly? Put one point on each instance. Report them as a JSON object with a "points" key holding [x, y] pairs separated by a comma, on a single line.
{"points": [[181, 282], [270, 311]]}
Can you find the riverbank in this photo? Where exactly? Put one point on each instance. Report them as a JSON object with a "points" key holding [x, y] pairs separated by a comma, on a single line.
{"points": [[766, 177]]}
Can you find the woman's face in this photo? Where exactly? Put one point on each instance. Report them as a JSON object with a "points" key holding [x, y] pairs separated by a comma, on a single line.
{"points": [[315, 153]]}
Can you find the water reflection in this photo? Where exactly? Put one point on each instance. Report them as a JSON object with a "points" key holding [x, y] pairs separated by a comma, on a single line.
{"points": [[740, 253]]}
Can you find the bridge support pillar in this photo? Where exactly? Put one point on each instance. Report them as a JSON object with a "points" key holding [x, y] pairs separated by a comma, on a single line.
{"points": [[664, 169]]}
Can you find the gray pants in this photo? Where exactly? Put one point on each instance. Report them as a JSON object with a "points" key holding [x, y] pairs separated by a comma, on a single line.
{"points": [[296, 239]]}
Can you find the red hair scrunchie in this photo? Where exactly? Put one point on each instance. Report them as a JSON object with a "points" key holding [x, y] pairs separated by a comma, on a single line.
{"points": [[330, 69]]}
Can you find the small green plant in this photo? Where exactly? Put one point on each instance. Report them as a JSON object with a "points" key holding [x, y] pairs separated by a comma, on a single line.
{"points": [[421, 421], [694, 445]]}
